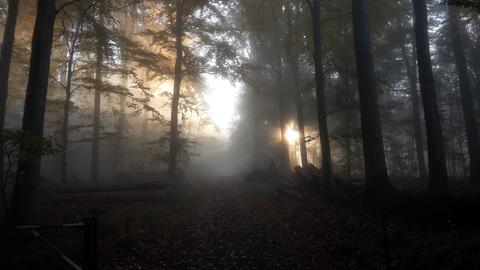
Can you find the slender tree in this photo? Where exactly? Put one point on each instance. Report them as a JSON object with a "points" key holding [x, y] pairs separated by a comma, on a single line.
{"points": [[282, 105], [315, 11], [72, 42], [5, 59], [376, 174], [473, 140], [129, 25], [417, 125], [438, 177], [294, 72], [100, 37], [174, 134], [68, 98], [300, 114]]}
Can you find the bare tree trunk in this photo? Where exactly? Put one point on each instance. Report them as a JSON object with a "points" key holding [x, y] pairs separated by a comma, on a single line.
{"points": [[320, 93], [349, 98], [294, 70], [68, 98], [412, 78], [473, 140], [294, 75], [120, 139], [5, 59], [66, 119], [438, 177], [97, 99], [281, 102], [376, 175], [300, 125], [282, 116], [122, 118], [174, 134], [34, 113], [145, 124]]}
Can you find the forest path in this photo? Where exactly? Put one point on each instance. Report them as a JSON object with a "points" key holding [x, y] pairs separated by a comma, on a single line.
{"points": [[232, 226]]}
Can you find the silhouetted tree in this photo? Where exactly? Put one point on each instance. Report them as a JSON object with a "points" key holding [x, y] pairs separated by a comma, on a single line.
{"points": [[376, 175], [34, 112], [174, 136], [5, 59], [438, 176], [100, 40], [294, 72], [468, 107], [315, 10], [417, 125]]}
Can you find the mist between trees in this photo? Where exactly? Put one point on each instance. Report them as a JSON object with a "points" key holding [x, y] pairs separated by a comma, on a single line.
{"points": [[367, 91]]}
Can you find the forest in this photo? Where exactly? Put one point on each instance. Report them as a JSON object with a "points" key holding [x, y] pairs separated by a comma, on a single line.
{"points": [[239, 134]]}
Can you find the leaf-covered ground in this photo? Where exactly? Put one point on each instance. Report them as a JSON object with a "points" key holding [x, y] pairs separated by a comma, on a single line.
{"points": [[233, 225], [227, 226]]}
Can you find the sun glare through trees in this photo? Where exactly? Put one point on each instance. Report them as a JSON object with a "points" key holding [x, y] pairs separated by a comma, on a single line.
{"points": [[239, 134]]}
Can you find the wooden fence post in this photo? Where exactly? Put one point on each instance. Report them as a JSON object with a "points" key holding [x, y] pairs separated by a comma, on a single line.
{"points": [[90, 244]]}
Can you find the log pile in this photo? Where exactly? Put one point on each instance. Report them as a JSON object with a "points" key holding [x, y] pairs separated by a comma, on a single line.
{"points": [[300, 184]]}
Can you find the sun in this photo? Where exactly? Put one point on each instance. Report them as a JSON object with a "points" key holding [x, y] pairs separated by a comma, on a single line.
{"points": [[221, 97], [292, 135]]}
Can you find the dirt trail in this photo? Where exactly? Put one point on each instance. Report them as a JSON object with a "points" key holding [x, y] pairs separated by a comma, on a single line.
{"points": [[225, 226]]}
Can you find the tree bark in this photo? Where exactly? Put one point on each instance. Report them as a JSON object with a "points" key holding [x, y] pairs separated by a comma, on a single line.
{"points": [[280, 96], [376, 175], [5, 60], [301, 126], [282, 116], [300, 117], [34, 112], [6, 56], [66, 120], [438, 177], [122, 118], [417, 126], [320, 93], [473, 140], [68, 98], [294, 75], [97, 98], [174, 134]]}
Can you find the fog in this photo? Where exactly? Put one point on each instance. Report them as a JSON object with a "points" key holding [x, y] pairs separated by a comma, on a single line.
{"points": [[242, 134]]}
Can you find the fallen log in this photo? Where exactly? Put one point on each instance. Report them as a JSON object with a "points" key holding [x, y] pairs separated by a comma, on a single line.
{"points": [[109, 187]]}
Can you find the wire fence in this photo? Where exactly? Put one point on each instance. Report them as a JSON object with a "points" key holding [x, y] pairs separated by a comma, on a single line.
{"points": [[89, 227]]}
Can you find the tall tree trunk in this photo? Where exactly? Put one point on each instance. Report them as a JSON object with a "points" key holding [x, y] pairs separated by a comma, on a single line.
{"points": [[376, 175], [145, 124], [5, 59], [129, 24], [174, 134], [295, 78], [97, 99], [280, 96], [300, 117], [349, 98], [255, 116], [438, 177], [282, 116], [320, 93], [34, 113], [66, 119], [294, 72], [122, 124], [468, 106], [68, 98], [417, 126]]}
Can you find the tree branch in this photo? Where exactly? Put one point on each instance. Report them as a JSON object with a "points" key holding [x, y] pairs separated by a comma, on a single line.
{"points": [[66, 5]]}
